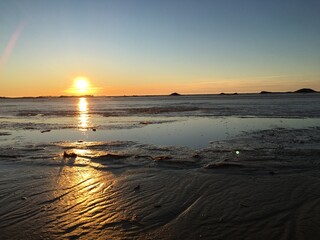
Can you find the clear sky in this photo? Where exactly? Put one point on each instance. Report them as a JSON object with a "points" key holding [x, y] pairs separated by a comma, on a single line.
{"points": [[125, 47]]}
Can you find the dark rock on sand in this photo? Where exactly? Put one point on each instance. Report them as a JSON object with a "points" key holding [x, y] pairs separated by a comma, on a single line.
{"points": [[243, 205], [8, 156], [69, 155], [44, 131], [5, 134], [196, 155], [145, 122], [161, 158]]}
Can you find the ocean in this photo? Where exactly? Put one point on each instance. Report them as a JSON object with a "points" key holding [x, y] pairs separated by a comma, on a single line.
{"points": [[160, 167], [191, 121]]}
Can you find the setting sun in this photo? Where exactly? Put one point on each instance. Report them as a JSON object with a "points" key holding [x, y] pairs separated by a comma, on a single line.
{"points": [[81, 85]]}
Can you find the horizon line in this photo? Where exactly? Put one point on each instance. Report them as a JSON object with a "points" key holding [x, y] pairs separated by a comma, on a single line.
{"points": [[156, 95]]}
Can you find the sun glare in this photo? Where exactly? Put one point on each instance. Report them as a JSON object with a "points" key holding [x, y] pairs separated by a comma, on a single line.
{"points": [[81, 85]]}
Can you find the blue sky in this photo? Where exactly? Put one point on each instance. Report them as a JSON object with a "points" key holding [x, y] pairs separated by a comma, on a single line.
{"points": [[141, 47]]}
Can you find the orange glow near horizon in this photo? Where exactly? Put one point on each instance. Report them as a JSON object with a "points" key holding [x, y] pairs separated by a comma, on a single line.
{"points": [[81, 86], [115, 86]]}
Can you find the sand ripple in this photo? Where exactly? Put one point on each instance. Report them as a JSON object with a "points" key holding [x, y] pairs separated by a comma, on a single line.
{"points": [[262, 186]]}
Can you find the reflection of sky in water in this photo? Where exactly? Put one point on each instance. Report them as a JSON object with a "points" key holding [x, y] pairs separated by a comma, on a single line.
{"points": [[192, 131]]}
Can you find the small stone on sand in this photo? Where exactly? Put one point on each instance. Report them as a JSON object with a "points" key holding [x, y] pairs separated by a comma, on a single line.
{"points": [[44, 131], [69, 155], [243, 205], [145, 122], [161, 158], [196, 155]]}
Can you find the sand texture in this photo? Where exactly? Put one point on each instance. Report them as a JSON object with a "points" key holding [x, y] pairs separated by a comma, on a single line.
{"points": [[263, 185]]}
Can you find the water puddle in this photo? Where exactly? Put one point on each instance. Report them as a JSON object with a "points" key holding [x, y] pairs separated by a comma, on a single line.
{"points": [[191, 132]]}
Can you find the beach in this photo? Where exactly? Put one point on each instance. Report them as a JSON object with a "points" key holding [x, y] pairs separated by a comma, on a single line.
{"points": [[162, 167]]}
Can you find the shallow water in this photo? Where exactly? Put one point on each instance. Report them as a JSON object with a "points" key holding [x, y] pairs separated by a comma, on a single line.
{"points": [[191, 121], [191, 132], [152, 170]]}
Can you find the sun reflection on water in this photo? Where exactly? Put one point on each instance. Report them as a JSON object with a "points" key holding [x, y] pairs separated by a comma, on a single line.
{"points": [[83, 119]]}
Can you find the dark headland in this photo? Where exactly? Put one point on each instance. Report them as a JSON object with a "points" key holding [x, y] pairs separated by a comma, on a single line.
{"points": [[302, 90], [305, 90]]}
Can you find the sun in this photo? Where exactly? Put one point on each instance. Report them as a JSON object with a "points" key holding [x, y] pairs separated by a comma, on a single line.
{"points": [[81, 85]]}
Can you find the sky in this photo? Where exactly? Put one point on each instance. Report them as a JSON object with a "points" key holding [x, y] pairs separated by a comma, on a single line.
{"points": [[133, 47]]}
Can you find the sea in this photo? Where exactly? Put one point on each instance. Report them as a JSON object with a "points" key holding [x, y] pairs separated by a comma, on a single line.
{"points": [[192, 121], [242, 166]]}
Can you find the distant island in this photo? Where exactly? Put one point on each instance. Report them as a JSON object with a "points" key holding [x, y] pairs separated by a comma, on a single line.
{"points": [[302, 90], [228, 93], [175, 94], [305, 90]]}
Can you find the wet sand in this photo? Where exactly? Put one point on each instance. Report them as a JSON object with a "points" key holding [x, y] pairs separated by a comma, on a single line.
{"points": [[261, 185]]}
